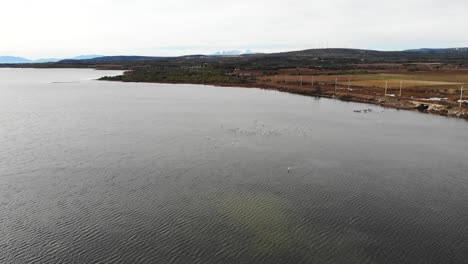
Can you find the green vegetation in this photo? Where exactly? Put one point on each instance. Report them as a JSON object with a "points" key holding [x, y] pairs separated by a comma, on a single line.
{"points": [[196, 74]]}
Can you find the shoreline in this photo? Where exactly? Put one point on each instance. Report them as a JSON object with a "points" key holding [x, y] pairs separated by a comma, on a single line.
{"points": [[328, 92]]}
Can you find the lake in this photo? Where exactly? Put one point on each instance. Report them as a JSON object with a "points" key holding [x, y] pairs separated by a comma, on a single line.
{"points": [[109, 172]]}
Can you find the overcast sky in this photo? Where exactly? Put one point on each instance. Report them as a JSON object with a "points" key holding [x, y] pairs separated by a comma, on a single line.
{"points": [[63, 28]]}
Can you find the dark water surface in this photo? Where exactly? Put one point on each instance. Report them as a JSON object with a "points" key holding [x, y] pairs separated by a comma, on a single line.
{"points": [[103, 172]]}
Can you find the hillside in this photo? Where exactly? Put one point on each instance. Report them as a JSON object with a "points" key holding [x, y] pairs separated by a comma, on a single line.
{"points": [[327, 58], [19, 60], [333, 59]]}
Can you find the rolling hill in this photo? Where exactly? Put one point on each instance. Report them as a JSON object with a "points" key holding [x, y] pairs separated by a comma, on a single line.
{"points": [[333, 59]]}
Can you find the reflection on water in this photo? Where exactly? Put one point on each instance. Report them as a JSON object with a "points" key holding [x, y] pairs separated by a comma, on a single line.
{"points": [[102, 172]]}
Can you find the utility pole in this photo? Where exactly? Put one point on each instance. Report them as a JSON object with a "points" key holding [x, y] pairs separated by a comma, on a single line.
{"points": [[401, 87], [336, 84], [461, 97], [301, 80], [312, 82], [349, 83], [386, 86]]}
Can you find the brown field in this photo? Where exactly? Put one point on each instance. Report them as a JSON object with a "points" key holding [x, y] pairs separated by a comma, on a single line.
{"points": [[411, 79], [420, 86], [396, 83]]}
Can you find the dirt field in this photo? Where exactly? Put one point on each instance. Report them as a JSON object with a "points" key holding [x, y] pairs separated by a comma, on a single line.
{"points": [[440, 88]]}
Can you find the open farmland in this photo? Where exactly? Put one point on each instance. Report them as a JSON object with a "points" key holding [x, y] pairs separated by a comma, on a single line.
{"points": [[441, 88]]}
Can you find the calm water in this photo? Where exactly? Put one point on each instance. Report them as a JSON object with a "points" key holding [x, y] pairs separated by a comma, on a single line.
{"points": [[103, 172]]}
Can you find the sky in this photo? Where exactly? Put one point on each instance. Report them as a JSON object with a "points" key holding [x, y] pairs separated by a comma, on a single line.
{"points": [[65, 28]]}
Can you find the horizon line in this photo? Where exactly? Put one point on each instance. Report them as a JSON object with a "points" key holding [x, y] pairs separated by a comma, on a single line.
{"points": [[220, 51]]}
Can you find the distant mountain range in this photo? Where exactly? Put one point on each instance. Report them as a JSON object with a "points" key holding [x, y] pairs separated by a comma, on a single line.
{"points": [[232, 53], [453, 50], [19, 60], [248, 59], [112, 59], [12, 59]]}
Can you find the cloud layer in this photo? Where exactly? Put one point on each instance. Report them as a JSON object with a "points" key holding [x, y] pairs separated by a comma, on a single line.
{"points": [[58, 28]]}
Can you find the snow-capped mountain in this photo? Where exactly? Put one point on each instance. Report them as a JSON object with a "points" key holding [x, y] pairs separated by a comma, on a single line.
{"points": [[232, 53]]}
